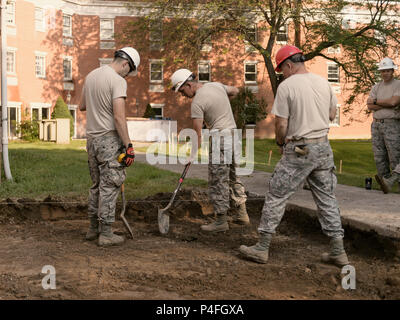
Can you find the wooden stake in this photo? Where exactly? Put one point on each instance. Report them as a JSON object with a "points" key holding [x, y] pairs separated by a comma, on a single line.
{"points": [[340, 166], [269, 157]]}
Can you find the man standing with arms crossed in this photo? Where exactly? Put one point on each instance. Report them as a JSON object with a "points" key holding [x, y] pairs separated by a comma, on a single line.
{"points": [[384, 102], [211, 104], [103, 97], [303, 106]]}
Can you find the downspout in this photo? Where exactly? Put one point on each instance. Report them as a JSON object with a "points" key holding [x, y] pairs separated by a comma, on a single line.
{"points": [[4, 109]]}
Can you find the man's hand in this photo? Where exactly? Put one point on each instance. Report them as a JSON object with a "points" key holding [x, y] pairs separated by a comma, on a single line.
{"points": [[130, 155]]}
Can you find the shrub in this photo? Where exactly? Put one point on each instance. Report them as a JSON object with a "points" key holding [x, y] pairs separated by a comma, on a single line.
{"points": [[149, 113], [247, 109], [29, 130], [61, 112]]}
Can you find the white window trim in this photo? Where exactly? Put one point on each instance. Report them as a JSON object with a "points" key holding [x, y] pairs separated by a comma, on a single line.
{"points": [[329, 63], [331, 123], [69, 35], [209, 67], [159, 105], [105, 61], [41, 54], [113, 29], [286, 32], [153, 42], [244, 71], [42, 27], [69, 58], [162, 70], [14, 51], [334, 49], [40, 106], [13, 13], [13, 104]]}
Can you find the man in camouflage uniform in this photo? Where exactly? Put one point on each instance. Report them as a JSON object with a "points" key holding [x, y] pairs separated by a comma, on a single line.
{"points": [[211, 104], [303, 106], [103, 98], [384, 102]]}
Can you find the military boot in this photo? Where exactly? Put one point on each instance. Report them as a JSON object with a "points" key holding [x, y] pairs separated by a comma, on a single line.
{"points": [[108, 238], [337, 255], [240, 215], [93, 231], [219, 225], [387, 183], [259, 252]]}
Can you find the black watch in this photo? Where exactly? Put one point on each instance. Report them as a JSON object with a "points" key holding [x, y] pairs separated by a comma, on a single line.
{"points": [[280, 144]]}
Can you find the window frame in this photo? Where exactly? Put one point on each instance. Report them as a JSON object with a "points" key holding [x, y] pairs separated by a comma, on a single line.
{"points": [[330, 64], [69, 59], [43, 56], [10, 13], [154, 62], [14, 64], [69, 33], [208, 63], [40, 24], [279, 32], [158, 106], [246, 63], [101, 30], [156, 43]]}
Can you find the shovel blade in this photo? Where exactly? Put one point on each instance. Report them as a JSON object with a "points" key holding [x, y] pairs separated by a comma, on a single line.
{"points": [[163, 221]]}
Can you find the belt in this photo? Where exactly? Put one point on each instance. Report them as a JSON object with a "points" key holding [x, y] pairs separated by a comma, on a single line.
{"points": [[312, 140], [385, 120]]}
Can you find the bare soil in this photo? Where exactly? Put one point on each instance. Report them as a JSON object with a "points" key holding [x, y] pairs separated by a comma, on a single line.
{"points": [[184, 264]]}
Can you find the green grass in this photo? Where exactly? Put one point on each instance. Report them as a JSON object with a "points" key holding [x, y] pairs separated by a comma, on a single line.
{"points": [[40, 169], [356, 155]]}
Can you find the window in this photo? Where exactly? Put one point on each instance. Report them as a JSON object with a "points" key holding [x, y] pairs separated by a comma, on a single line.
{"points": [[204, 71], [334, 49], [11, 61], [333, 73], [67, 66], [156, 71], [40, 65], [72, 111], [156, 35], [250, 72], [282, 34], [40, 111], [10, 13], [67, 25], [336, 121], [251, 35], [106, 29], [14, 118], [158, 109], [380, 37], [205, 35], [39, 19]]}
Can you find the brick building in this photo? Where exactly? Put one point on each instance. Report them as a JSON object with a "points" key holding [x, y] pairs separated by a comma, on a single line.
{"points": [[53, 44]]}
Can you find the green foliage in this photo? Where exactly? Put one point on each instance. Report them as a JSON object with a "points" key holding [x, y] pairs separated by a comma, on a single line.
{"points": [[29, 130], [247, 109], [149, 113], [61, 112]]}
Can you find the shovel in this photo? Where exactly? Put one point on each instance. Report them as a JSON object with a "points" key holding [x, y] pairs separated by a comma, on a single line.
{"points": [[126, 224], [163, 215]]}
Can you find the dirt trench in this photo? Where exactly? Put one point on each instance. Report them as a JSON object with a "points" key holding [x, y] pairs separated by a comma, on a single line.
{"points": [[186, 263]]}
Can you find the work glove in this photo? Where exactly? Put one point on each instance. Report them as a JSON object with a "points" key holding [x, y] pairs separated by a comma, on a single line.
{"points": [[130, 155]]}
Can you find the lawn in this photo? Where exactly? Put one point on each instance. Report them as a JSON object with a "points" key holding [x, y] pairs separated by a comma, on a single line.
{"points": [[356, 155], [40, 169]]}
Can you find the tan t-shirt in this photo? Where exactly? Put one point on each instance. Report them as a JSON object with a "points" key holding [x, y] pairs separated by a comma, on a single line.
{"points": [[212, 104], [102, 85], [383, 91], [305, 100]]}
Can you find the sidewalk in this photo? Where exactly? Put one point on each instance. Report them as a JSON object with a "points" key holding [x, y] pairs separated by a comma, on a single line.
{"points": [[367, 210]]}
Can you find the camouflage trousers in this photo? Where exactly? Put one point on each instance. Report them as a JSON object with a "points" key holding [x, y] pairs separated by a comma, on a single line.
{"points": [[225, 188], [107, 176], [386, 145], [290, 172]]}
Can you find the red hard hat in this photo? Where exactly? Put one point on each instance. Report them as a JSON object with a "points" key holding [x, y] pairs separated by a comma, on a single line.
{"points": [[284, 53]]}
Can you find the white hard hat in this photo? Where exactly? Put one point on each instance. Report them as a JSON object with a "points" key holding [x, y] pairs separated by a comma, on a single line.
{"points": [[386, 64], [132, 56], [180, 77]]}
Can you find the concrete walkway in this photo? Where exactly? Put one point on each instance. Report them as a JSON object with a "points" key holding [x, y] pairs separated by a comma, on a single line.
{"points": [[368, 210]]}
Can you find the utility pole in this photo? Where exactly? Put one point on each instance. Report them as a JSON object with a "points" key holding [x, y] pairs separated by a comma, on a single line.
{"points": [[4, 109]]}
